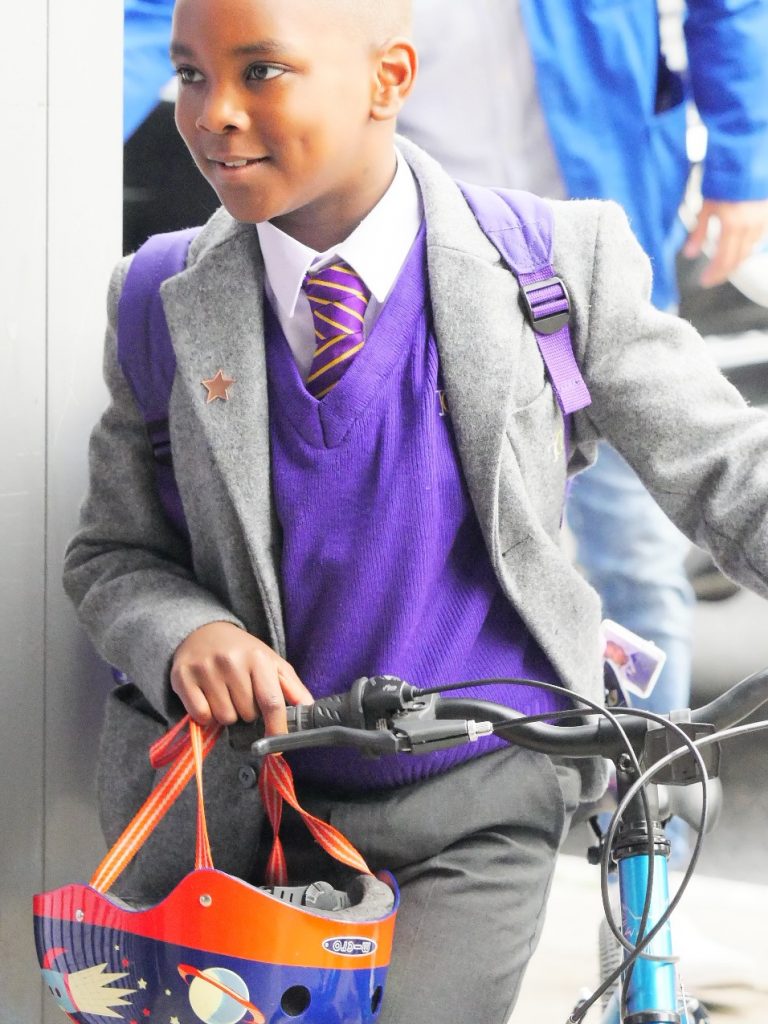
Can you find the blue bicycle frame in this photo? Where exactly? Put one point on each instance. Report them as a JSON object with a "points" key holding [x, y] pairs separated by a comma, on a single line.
{"points": [[653, 992]]}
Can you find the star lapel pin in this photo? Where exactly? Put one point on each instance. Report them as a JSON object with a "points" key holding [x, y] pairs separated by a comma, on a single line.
{"points": [[218, 387]]}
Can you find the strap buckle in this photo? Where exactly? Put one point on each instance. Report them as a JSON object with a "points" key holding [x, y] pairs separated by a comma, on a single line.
{"points": [[160, 439], [546, 313]]}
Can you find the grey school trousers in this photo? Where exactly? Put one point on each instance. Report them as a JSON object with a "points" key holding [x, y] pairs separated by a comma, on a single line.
{"points": [[473, 852]]}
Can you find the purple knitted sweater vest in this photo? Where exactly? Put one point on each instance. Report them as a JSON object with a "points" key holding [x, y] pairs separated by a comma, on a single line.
{"points": [[384, 569]]}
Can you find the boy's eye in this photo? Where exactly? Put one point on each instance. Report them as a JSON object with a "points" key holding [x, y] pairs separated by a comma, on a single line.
{"points": [[188, 75], [263, 72]]}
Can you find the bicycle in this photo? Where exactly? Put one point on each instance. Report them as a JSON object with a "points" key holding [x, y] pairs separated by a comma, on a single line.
{"points": [[384, 715]]}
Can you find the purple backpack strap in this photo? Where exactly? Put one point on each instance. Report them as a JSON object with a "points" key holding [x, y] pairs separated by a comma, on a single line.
{"points": [[520, 225], [145, 351]]}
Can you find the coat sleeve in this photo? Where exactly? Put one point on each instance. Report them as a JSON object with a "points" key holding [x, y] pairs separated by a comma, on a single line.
{"points": [[128, 572], [659, 398], [727, 42]]}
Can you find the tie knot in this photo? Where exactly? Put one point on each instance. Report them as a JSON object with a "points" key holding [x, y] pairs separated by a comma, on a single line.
{"points": [[338, 300], [338, 285]]}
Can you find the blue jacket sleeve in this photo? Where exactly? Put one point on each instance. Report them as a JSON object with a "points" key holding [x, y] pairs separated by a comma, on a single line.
{"points": [[727, 44], [147, 64]]}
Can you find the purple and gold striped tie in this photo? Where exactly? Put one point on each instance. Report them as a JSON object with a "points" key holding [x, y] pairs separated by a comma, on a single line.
{"points": [[338, 299]]}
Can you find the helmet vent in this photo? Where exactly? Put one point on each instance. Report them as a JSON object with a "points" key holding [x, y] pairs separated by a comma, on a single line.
{"points": [[295, 1000], [376, 999]]}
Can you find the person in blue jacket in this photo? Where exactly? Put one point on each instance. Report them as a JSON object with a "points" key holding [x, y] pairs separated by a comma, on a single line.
{"points": [[617, 117], [147, 63], [575, 98]]}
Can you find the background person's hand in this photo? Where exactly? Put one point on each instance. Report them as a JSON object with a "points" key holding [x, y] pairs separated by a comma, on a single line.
{"points": [[742, 225], [223, 673]]}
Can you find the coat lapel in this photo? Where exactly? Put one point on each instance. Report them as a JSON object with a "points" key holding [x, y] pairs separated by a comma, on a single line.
{"points": [[215, 314], [478, 328]]}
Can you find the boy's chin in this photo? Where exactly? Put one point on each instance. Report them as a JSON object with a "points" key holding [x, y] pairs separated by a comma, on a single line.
{"points": [[246, 213], [246, 204]]}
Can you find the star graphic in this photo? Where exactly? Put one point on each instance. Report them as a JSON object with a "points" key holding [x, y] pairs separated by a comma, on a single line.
{"points": [[142, 983], [167, 991], [174, 1020], [126, 962], [146, 1012], [218, 387]]}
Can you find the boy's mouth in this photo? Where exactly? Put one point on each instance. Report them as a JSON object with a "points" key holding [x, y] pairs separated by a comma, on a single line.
{"points": [[237, 162]]}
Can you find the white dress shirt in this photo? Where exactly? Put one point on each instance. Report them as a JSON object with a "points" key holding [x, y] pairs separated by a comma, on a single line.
{"points": [[376, 251]]}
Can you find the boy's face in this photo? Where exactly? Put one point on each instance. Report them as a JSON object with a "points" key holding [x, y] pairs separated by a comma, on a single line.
{"points": [[275, 105]]}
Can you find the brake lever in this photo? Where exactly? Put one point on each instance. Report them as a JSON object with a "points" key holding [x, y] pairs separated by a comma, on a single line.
{"points": [[375, 742]]}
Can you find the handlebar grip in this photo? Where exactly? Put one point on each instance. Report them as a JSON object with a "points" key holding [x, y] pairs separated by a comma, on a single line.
{"points": [[333, 710], [369, 700]]}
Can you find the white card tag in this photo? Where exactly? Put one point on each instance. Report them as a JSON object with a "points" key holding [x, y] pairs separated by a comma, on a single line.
{"points": [[637, 663]]}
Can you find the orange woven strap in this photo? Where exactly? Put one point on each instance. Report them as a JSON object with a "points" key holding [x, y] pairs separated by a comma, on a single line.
{"points": [[184, 748], [275, 786]]}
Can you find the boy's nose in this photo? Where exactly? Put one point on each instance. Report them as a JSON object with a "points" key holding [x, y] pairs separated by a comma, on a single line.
{"points": [[221, 113]]}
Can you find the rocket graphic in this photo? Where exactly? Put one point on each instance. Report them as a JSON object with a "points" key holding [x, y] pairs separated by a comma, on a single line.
{"points": [[88, 991]]}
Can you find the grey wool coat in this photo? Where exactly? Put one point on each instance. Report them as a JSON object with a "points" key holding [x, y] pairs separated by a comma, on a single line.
{"points": [[657, 396]]}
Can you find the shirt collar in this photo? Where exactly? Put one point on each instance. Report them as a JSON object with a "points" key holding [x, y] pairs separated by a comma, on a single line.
{"points": [[376, 249]]}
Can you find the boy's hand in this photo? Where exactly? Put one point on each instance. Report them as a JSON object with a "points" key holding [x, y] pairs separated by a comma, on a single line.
{"points": [[221, 672]]}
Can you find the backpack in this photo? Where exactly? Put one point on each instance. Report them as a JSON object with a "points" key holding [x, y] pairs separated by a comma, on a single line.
{"points": [[520, 226]]}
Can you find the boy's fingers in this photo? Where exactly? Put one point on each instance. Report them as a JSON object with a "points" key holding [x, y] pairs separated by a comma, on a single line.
{"points": [[240, 692], [244, 704], [220, 701], [192, 697], [292, 686], [269, 697], [203, 686]]}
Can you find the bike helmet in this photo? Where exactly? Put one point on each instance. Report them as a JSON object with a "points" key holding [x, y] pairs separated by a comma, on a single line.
{"points": [[218, 949]]}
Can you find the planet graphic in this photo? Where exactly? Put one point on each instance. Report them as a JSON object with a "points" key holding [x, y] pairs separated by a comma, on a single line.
{"points": [[219, 996]]}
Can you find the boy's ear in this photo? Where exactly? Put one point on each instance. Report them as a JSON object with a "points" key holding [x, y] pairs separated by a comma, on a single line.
{"points": [[395, 74]]}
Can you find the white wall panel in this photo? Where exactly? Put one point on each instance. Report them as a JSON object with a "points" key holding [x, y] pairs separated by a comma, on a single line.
{"points": [[22, 498], [60, 180]]}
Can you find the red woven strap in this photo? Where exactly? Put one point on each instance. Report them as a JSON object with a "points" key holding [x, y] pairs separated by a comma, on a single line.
{"points": [[184, 748], [275, 786]]}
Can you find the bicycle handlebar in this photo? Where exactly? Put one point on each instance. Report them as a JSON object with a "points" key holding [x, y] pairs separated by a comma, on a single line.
{"points": [[383, 714], [736, 703]]}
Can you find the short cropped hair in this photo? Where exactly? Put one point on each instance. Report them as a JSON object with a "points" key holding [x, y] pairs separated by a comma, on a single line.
{"points": [[381, 18]]}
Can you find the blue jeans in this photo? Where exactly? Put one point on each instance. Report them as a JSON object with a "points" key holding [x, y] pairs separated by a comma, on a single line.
{"points": [[633, 556]]}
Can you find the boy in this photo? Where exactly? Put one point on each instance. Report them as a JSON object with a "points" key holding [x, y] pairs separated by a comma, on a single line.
{"points": [[400, 517]]}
